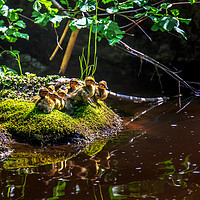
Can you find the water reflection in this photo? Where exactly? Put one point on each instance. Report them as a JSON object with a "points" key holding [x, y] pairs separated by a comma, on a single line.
{"points": [[155, 157]]}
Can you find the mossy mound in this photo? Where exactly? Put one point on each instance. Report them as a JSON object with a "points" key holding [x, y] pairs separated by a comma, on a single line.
{"points": [[27, 124]]}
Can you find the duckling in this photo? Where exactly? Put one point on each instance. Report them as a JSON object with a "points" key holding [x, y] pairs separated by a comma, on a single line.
{"points": [[55, 97], [85, 91], [73, 85], [51, 88], [44, 103], [100, 91], [63, 94]]}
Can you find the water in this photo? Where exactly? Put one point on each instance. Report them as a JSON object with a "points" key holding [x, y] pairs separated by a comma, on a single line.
{"points": [[154, 157]]}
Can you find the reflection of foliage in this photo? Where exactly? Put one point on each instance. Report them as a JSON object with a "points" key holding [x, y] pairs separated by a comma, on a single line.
{"points": [[34, 159], [94, 147], [137, 189], [171, 173]]}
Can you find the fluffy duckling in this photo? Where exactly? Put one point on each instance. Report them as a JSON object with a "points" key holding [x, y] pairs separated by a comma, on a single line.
{"points": [[63, 94], [100, 91], [73, 85], [44, 103], [84, 92], [56, 99]]}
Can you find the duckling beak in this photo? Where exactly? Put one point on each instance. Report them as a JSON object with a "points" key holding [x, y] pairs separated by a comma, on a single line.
{"points": [[106, 87], [59, 97]]}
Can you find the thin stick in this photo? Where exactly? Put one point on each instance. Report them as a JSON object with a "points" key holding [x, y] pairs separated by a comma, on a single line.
{"points": [[68, 51], [60, 42], [185, 105], [179, 94]]}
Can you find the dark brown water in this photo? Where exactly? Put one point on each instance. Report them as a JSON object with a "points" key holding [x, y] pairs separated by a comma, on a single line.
{"points": [[155, 157]]}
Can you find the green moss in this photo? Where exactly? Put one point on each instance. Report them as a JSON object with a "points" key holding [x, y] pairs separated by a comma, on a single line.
{"points": [[27, 124]]}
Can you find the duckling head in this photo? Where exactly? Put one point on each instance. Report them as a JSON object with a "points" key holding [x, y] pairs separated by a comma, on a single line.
{"points": [[73, 82], [43, 92], [51, 88], [89, 81], [103, 85], [62, 93]]}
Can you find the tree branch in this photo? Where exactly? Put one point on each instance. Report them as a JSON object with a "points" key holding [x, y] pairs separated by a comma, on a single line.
{"points": [[123, 46]]}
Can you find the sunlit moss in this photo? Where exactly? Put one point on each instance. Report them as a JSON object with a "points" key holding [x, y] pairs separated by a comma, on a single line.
{"points": [[27, 124], [94, 147]]}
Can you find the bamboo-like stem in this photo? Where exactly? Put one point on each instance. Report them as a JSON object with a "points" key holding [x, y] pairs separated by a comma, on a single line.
{"points": [[60, 42], [68, 51]]}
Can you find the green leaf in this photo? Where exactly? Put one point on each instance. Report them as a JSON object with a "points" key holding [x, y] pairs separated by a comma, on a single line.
{"points": [[125, 6], [57, 19], [86, 5], [2, 37], [175, 12], [10, 31], [111, 10], [21, 35], [11, 39], [155, 27], [192, 1], [168, 22], [37, 6], [139, 15], [153, 11], [2, 2], [46, 3], [1, 23], [36, 14], [13, 16], [140, 2], [154, 19], [166, 5], [20, 23], [4, 10], [3, 29], [183, 20], [65, 2], [110, 30], [107, 1], [42, 19], [81, 23]]}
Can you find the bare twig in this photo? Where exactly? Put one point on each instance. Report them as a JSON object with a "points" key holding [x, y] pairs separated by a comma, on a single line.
{"points": [[136, 25], [60, 42], [59, 7], [123, 46], [185, 105]]}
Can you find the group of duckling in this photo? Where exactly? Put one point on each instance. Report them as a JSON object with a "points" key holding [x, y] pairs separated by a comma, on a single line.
{"points": [[64, 98]]}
